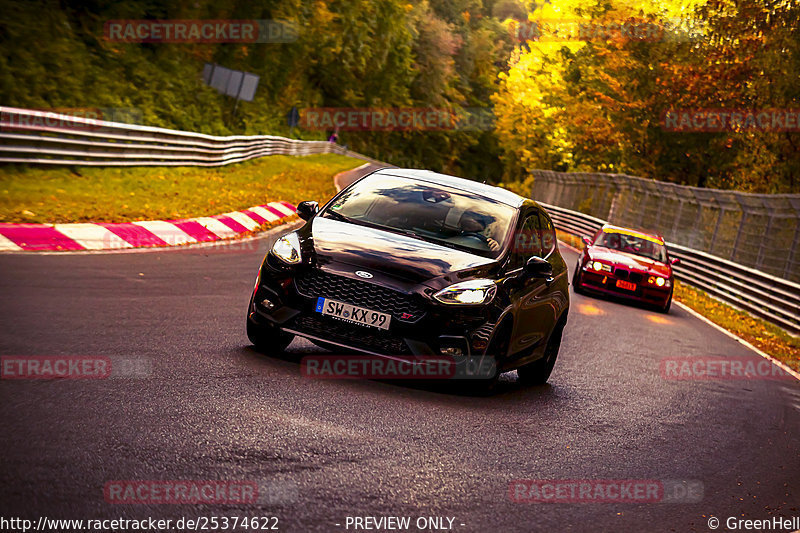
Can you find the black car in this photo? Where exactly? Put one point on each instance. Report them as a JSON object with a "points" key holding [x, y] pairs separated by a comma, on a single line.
{"points": [[406, 263]]}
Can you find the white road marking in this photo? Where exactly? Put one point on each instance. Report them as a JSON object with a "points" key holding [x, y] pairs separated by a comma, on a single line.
{"points": [[265, 213], [243, 219], [7, 245], [166, 231], [216, 227], [765, 355], [92, 236], [281, 208]]}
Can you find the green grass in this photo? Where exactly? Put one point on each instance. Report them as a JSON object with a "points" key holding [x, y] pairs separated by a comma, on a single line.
{"points": [[89, 194], [767, 337]]}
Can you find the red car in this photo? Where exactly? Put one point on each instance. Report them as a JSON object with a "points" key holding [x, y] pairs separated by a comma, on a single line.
{"points": [[626, 263]]}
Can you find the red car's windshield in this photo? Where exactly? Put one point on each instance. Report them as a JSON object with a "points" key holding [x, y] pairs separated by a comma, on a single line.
{"points": [[633, 245]]}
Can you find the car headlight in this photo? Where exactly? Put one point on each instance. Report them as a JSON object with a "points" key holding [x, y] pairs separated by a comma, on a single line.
{"points": [[476, 291], [658, 281], [287, 249], [597, 266]]}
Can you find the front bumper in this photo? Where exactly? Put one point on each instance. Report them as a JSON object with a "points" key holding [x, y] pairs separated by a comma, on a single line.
{"points": [[428, 330], [606, 284]]}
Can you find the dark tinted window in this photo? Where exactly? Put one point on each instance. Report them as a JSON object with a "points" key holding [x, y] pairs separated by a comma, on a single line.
{"points": [[527, 241], [548, 235], [430, 211]]}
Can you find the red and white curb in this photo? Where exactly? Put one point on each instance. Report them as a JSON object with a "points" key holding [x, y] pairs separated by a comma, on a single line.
{"points": [[143, 234]]}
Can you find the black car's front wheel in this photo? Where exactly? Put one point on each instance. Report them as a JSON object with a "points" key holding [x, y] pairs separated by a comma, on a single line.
{"points": [[538, 372], [267, 338]]}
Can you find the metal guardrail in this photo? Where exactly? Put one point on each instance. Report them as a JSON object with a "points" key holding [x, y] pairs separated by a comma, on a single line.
{"points": [[773, 299], [39, 137]]}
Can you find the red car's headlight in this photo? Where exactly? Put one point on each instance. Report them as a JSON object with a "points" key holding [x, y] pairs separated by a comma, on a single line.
{"points": [[597, 266]]}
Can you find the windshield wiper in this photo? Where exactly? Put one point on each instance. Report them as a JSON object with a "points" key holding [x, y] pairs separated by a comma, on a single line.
{"points": [[406, 232], [339, 216], [343, 218]]}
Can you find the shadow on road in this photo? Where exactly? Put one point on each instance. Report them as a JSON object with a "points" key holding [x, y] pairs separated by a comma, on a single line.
{"points": [[509, 389]]}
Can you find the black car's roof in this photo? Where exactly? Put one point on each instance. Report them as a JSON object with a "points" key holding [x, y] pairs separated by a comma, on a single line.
{"points": [[493, 193]]}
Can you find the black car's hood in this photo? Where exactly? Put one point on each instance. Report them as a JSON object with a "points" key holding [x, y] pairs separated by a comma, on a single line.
{"points": [[377, 251]]}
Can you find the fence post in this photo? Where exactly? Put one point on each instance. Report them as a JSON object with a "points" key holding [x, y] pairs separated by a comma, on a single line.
{"points": [[767, 231], [720, 215], [742, 222], [787, 272], [677, 219], [642, 207]]}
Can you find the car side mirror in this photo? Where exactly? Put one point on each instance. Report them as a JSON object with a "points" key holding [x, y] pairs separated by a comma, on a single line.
{"points": [[674, 260], [587, 241], [536, 267], [307, 209]]}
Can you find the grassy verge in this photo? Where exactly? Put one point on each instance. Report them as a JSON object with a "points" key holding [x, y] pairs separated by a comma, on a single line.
{"points": [[570, 239], [765, 336], [84, 194]]}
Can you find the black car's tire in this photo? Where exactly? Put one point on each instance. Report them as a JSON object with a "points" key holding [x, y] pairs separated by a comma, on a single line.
{"points": [[538, 372], [576, 280], [665, 308], [267, 338]]}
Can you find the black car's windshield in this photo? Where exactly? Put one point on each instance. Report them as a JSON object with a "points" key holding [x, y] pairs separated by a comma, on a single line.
{"points": [[633, 244], [432, 212]]}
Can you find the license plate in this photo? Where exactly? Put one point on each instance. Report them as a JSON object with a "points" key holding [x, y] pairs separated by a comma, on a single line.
{"points": [[627, 285], [353, 313]]}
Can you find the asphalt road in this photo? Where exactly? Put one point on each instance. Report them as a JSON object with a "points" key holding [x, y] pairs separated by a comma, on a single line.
{"points": [[210, 407], [343, 179]]}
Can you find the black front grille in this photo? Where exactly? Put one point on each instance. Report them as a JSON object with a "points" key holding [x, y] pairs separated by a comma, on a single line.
{"points": [[635, 277], [315, 283], [337, 331]]}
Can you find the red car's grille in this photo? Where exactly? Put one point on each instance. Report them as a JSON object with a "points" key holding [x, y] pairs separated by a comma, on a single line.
{"points": [[635, 277]]}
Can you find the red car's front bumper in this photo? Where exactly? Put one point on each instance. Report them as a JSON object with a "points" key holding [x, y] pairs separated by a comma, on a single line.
{"points": [[606, 283]]}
